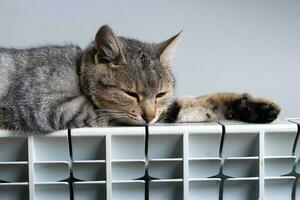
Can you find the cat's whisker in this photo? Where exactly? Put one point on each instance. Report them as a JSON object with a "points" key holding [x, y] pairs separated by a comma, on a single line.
{"points": [[122, 116], [116, 114]]}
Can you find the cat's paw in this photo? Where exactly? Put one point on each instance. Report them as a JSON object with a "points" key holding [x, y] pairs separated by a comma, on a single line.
{"points": [[255, 110]]}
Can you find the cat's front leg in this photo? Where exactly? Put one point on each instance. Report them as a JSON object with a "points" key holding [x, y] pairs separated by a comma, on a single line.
{"points": [[220, 106]]}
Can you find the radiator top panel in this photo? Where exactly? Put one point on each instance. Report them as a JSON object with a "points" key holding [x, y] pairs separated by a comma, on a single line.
{"points": [[210, 161]]}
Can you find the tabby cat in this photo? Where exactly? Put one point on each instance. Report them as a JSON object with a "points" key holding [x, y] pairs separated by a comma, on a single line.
{"points": [[114, 81]]}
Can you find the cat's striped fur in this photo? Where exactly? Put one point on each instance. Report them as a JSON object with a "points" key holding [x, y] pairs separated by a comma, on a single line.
{"points": [[114, 81]]}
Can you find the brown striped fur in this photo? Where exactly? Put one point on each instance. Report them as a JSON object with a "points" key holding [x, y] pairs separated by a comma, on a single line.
{"points": [[227, 106]]}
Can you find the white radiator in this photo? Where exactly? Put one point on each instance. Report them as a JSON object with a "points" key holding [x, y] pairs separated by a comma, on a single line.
{"points": [[226, 161]]}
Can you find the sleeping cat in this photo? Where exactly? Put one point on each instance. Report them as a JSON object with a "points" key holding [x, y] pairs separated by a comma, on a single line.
{"points": [[114, 81]]}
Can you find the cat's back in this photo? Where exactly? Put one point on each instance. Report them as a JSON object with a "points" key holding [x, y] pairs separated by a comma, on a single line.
{"points": [[49, 67], [34, 82], [50, 55]]}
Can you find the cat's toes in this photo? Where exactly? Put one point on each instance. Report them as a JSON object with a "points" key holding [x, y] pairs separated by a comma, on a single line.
{"points": [[257, 110]]}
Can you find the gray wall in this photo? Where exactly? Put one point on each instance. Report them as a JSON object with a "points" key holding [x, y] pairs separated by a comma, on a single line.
{"points": [[235, 45]]}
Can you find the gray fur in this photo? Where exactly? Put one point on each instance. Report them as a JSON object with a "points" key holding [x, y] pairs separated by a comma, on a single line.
{"points": [[40, 89]]}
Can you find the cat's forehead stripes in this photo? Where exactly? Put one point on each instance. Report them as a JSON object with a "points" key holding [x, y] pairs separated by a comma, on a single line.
{"points": [[142, 73]]}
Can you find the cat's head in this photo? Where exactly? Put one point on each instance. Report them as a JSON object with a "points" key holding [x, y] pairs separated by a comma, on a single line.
{"points": [[128, 78]]}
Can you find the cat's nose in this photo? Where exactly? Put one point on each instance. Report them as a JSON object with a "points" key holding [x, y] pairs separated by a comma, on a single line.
{"points": [[148, 111], [148, 118]]}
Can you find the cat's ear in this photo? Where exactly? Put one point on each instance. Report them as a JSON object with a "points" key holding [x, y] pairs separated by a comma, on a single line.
{"points": [[108, 47], [166, 49]]}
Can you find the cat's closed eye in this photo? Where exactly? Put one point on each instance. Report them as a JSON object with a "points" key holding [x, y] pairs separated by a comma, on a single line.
{"points": [[132, 94], [161, 94]]}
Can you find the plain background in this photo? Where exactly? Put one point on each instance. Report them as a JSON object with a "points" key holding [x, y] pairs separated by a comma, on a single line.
{"points": [[234, 45]]}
